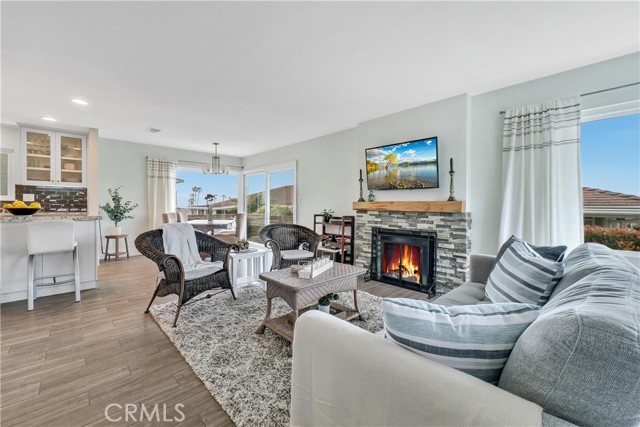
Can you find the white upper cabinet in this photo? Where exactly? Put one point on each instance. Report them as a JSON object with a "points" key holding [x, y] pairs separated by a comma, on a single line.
{"points": [[53, 158], [71, 162]]}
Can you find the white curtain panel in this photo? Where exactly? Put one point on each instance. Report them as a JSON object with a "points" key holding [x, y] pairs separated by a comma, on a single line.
{"points": [[542, 185], [161, 190]]}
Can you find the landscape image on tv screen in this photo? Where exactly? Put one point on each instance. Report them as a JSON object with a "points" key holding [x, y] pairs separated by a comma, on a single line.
{"points": [[407, 165]]}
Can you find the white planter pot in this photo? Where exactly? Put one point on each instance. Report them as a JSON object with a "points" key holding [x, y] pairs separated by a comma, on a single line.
{"points": [[115, 231], [324, 308]]}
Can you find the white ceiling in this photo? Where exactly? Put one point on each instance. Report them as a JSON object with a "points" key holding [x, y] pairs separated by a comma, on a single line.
{"points": [[260, 75]]}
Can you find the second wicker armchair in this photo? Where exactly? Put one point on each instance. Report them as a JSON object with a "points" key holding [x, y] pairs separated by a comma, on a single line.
{"points": [[290, 243]]}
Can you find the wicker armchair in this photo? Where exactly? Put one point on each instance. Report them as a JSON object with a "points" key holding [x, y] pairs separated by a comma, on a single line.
{"points": [[286, 242], [172, 275]]}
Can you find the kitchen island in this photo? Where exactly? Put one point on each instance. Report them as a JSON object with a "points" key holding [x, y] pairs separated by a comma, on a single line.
{"points": [[14, 256]]}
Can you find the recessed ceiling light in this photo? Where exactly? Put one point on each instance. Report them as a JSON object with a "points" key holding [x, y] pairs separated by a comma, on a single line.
{"points": [[153, 130], [79, 101], [49, 119]]}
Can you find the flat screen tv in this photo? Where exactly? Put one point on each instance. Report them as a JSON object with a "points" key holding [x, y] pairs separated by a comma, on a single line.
{"points": [[406, 165]]}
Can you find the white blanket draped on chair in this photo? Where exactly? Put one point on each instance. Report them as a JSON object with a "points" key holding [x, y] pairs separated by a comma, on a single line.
{"points": [[542, 201], [179, 239]]}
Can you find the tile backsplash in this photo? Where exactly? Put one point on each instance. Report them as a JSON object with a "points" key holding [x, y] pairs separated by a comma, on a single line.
{"points": [[56, 199]]}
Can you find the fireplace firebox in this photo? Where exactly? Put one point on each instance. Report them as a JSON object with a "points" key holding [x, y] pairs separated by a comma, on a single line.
{"points": [[405, 258]]}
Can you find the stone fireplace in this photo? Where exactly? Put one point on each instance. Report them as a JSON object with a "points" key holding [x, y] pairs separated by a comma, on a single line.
{"points": [[447, 225]]}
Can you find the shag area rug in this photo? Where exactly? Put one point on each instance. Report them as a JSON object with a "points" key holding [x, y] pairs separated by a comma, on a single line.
{"points": [[247, 373]]}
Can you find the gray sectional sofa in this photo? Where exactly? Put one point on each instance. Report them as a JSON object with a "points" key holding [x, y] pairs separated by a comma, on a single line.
{"points": [[577, 363]]}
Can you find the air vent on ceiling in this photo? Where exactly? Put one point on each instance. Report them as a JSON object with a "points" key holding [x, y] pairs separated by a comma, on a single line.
{"points": [[153, 130]]}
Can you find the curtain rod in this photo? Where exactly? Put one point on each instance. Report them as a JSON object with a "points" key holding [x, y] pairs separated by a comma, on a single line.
{"points": [[597, 91], [193, 163]]}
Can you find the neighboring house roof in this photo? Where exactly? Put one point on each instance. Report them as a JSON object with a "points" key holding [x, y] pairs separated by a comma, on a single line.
{"points": [[226, 204], [597, 201], [282, 195]]}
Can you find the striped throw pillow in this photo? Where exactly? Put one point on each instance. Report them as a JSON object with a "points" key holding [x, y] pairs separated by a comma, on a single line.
{"points": [[475, 339], [522, 275]]}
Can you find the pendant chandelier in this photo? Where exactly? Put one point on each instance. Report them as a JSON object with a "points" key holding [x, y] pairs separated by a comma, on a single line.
{"points": [[216, 168]]}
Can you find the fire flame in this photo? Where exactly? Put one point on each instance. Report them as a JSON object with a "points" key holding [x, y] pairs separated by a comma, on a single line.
{"points": [[410, 262]]}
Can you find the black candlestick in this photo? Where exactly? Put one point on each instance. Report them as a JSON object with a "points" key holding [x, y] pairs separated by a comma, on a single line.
{"points": [[451, 188], [361, 199]]}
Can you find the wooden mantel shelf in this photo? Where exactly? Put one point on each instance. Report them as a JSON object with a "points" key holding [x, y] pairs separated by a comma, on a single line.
{"points": [[421, 206]]}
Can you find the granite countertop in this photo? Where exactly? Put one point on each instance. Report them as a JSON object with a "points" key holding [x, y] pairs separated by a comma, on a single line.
{"points": [[6, 217]]}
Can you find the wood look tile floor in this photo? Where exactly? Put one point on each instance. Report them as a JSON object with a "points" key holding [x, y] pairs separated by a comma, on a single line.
{"points": [[64, 363]]}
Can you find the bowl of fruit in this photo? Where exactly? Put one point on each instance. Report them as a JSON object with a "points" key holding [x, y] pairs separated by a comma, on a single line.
{"points": [[19, 207]]}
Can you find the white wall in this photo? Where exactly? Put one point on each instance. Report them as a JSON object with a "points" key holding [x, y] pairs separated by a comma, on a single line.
{"points": [[328, 167], [485, 134], [10, 137], [124, 163], [446, 119]]}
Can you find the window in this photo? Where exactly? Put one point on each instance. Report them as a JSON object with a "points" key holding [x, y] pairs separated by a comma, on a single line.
{"points": [[192, 186], [610, 143], [270, 195]]}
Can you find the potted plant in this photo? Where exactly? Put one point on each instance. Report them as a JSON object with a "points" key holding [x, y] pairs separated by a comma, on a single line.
{"points": [[118, 211], [243, 244], [327, 214], [324, 303], [210, 198]]}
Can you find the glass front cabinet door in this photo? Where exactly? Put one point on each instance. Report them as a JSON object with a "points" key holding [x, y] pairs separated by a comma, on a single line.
{"points": [[38, 147], [53, 158], [71, 162]]}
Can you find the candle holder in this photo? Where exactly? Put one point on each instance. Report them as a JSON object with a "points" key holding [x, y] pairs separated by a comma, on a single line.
{"points": [[361, 199], [451, 187]]}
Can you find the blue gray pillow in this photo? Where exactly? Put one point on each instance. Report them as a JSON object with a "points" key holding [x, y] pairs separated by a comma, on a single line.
{"points": [[553, 253], [475, 339], [520, 274]]}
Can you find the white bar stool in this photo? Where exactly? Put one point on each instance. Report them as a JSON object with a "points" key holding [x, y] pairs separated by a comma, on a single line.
{"points": [[47, 237]]}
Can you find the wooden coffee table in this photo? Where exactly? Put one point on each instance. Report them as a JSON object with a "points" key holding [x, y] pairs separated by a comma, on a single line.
{"points": [[301, 294]]}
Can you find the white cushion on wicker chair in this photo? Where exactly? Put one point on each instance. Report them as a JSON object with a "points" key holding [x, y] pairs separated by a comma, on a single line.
{"points": [[296, 254], [201, 269]]}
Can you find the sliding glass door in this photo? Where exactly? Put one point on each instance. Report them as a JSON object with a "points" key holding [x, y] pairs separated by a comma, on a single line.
{"points": [[255, 201], [281, 186], [269, 197]]}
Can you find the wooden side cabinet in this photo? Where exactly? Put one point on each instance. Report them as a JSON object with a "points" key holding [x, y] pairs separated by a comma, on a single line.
{"points": [[338, 236]]}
